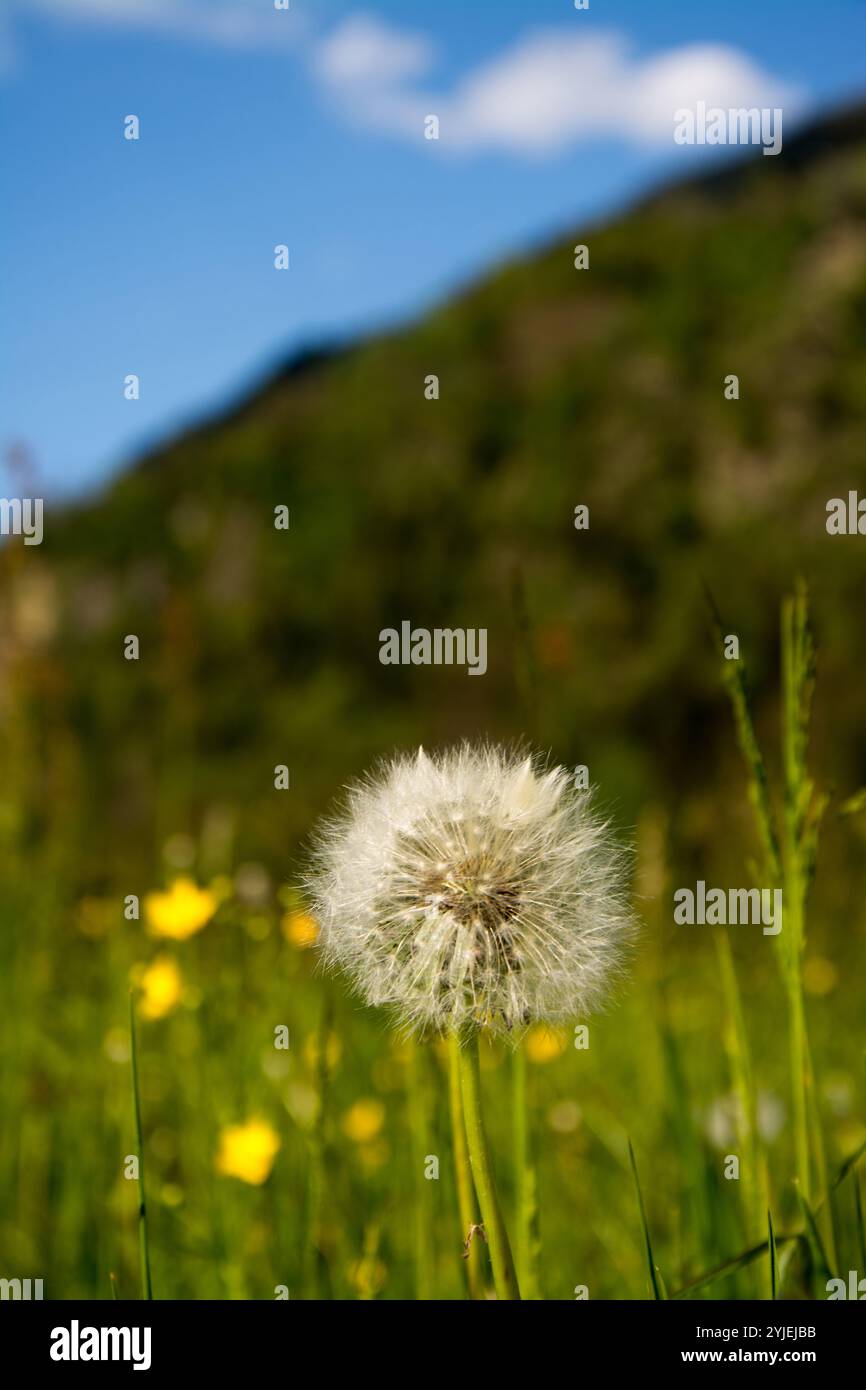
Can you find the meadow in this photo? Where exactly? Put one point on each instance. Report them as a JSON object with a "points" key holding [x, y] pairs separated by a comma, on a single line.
{"points": [[295, 1145]]}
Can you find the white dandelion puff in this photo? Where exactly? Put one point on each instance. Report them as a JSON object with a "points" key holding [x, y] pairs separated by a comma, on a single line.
{"points": [[472, 887]]}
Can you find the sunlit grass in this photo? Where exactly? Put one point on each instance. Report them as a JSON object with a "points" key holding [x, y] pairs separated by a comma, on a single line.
{"points": [[690, 1062]]}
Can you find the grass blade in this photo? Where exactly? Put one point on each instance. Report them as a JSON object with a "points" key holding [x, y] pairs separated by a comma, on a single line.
{"points": [[861, 1229], [850, 1163], [737, 1262], [143, 1243], [656, 1280], [816, 1244]]}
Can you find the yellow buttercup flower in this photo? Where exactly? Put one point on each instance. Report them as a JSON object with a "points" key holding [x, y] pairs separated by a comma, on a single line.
{"points": [[247, 1151], [161, 987], [181, 911], [300, 929], [363, 1120], [544, 1044]]}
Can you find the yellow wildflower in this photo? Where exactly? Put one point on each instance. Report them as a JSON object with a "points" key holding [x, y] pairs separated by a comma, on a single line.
{"points": [[363, 1120], [247, 1151], [545, 1044], [181, 911], [161, 987], [300, 929]]}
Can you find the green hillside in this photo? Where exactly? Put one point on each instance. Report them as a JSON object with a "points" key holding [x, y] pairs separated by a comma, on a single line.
{"points": [[558, 387]]}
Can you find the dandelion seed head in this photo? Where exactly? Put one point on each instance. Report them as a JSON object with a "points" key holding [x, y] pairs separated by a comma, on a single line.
{"points": [[472, 887]]}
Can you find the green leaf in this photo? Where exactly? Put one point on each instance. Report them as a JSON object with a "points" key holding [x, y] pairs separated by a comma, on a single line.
{"points": [[737, 1262]]}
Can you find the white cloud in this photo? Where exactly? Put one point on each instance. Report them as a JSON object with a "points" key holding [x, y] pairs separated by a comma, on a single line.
{"points": [[227, 23], [553, 89], [364, 51]]}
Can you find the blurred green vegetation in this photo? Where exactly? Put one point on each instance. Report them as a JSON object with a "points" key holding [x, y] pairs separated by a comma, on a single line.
{"points": [[260, 647]]}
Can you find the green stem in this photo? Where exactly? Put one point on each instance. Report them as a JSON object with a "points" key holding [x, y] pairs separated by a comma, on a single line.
{"points": [[466, 1202], [504, 1277], [825, 1211], [143, 1247], [797, 1037]]}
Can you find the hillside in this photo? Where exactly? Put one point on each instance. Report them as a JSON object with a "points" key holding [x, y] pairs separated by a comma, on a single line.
{"points": [[558, 387]]}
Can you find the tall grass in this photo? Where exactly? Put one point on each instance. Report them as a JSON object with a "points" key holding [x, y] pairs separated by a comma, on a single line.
{"points": [[339, 1216], [785, 860]]}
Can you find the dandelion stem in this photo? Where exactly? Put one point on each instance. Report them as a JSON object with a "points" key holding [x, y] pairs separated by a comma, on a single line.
{"points": [[143, 1247], [504, 1277], [466, 1200]]}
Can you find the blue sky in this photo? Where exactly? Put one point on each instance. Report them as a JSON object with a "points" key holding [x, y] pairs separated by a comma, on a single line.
{"points": [[305, 127]]}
